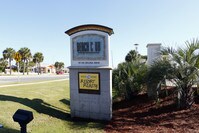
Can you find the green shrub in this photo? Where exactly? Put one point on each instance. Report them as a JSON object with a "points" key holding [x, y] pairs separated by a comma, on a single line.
{"points": [[129, 79]]}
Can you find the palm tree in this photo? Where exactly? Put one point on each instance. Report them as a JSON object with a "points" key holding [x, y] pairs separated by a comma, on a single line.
{"points": [[59, 66], [8, 53], [157, 74], [3, 64], [38, 58], [181, 69], [26, 56], [131, 56], [56, 65], [128, 78]]}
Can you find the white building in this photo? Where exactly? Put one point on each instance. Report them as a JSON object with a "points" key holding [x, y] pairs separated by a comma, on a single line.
{"points": [[153, 52]]}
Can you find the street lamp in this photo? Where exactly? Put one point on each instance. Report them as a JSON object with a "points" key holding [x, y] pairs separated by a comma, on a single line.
{"points": [[136, 47]]}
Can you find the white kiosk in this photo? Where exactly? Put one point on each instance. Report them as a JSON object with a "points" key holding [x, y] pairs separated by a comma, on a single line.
{"points": [[90, 72]]}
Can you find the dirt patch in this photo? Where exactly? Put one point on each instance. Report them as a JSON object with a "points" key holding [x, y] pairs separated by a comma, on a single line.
{"points": [[140, 115]]}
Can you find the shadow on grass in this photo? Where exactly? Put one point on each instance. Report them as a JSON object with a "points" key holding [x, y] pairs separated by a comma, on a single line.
{"points": [[65, 101], [38, 105], [8, 130], [45, 108]]}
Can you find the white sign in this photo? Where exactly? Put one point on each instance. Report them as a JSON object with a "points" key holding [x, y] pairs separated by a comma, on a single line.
{"points": [[90, 48]]}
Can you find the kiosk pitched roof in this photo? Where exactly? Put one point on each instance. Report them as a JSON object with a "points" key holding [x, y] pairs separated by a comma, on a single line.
{"points": [[89, 27]]}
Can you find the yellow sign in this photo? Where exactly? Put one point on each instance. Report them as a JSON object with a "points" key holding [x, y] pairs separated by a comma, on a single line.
{"points": [[17, 57], [89, 81]]}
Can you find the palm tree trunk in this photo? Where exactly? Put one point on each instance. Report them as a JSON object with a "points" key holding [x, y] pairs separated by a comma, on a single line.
{"points": [[38, 68], [181, 100], [152, 90], [23, 67], [185, 98], [10, 66], [27, 66]]}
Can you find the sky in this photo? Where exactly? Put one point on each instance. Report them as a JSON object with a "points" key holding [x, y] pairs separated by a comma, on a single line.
{"points": [[40, 24]]}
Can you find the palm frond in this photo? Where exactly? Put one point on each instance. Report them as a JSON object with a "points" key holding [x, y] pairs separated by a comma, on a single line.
{"points": [[167, 50]]}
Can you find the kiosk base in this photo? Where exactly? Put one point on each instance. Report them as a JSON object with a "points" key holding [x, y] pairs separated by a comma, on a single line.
{"points": [[88, 104]]}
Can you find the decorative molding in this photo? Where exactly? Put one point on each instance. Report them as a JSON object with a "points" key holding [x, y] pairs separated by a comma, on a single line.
{"points": [[89, 27]]}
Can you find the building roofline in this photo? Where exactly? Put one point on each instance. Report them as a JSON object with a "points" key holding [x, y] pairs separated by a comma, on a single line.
{"points": [[153, 44]]}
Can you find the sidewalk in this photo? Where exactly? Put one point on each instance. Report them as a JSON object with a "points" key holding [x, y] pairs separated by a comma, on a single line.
{"points": [[10, 79], [22, 84], [21, 74]]}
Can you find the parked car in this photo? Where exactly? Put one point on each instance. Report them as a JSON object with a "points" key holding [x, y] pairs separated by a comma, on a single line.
{"points": [[59, 72]]}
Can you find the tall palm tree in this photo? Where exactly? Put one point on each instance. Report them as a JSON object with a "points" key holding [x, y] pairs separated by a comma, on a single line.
{"points": [[3, 64], [182, 69], [38, 58], [8, 54], [26, 56], [59, 65], [56, 65], [131, 56]]}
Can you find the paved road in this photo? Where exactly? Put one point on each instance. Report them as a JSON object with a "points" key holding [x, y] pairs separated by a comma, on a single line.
{"points": [[30, 78]]}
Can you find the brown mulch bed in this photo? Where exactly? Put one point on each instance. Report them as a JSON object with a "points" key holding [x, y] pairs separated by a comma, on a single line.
{"points": [[141, 115]]}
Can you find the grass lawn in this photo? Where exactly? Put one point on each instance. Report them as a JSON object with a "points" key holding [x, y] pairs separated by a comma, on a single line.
{"points": [[50, 104]]}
